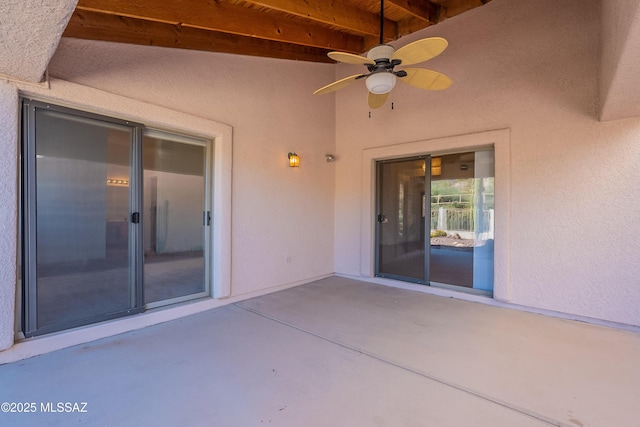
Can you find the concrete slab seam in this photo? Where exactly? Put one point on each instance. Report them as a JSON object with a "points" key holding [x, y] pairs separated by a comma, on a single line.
{"points": [[506, 405]]}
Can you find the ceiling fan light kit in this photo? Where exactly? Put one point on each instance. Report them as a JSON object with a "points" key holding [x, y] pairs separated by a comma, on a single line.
{"points": [[381, 80], [381, 61], [380, 83]]}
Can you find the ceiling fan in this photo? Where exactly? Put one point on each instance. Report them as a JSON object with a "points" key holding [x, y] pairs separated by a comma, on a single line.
{"points": [[381, 61]]}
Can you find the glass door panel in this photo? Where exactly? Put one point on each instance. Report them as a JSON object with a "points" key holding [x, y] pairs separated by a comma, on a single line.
{"points": [[461, 244], [83, 242], [401, 221], [483, 220], [174, 217]]}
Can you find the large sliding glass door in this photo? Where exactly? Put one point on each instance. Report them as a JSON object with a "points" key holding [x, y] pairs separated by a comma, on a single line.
{"points": [[115, 218], [447, 201]]}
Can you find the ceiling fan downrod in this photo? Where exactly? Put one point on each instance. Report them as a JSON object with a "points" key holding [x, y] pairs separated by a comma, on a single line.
{"points": [[381, 21]]}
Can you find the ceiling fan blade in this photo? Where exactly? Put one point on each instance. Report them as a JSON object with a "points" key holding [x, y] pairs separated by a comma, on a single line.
{"points": [[349, 58], [337, 85], [425, 79], [377, 100], [420, 50]]}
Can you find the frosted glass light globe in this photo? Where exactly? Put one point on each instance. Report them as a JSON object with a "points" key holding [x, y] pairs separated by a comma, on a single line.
{"points": [[380, 83]]}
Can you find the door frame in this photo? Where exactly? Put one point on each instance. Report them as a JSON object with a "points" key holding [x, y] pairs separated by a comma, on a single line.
{"points": [[500, 141], [216, 201], [85, 98]]}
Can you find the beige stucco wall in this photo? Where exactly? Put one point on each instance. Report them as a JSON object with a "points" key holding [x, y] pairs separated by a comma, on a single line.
{"points": [[8, 209], [29, 34], [619, 59], [530, 67]]}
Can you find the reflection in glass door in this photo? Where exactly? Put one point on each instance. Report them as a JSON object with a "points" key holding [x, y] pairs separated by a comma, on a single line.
{"points": [[402, 220], [461, 249], [175, 219], [78, 231]]}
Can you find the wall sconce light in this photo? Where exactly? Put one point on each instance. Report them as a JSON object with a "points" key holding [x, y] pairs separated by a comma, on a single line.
{"points": [[294, 160], [330, 158]]}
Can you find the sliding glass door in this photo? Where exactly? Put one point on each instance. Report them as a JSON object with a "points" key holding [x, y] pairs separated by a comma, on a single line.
{"points": [[115, 218], [445, 201]]}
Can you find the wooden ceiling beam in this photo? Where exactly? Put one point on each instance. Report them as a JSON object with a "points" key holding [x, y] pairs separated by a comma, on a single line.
{"points": [[228, 18], [97, 26], [411, 25], [289, 29], [451, 8], [423, 10], [338, 13]]}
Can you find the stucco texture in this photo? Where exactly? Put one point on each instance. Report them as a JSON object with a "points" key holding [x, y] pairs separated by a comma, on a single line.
{"points": [[29, 34], [8, 210], [620, 59], [530, 67]]}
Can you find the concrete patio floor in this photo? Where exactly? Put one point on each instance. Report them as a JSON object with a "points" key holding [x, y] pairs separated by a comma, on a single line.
{"points": [[339, 352]]}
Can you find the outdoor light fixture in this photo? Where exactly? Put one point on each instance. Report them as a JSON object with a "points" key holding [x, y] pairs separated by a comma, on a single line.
{"points": [[380, 83], [294, 160], [330, 158]]}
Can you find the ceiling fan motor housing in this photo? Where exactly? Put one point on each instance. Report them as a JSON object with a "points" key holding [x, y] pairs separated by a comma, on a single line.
{"points": [[382, 79], [382, 51]]}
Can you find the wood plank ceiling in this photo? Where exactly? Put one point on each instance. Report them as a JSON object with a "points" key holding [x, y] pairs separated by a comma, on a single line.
{"points": [[288, 29]]}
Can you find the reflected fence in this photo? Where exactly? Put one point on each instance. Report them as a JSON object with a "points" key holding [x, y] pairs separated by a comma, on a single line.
{"points": [[463, 220]]}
